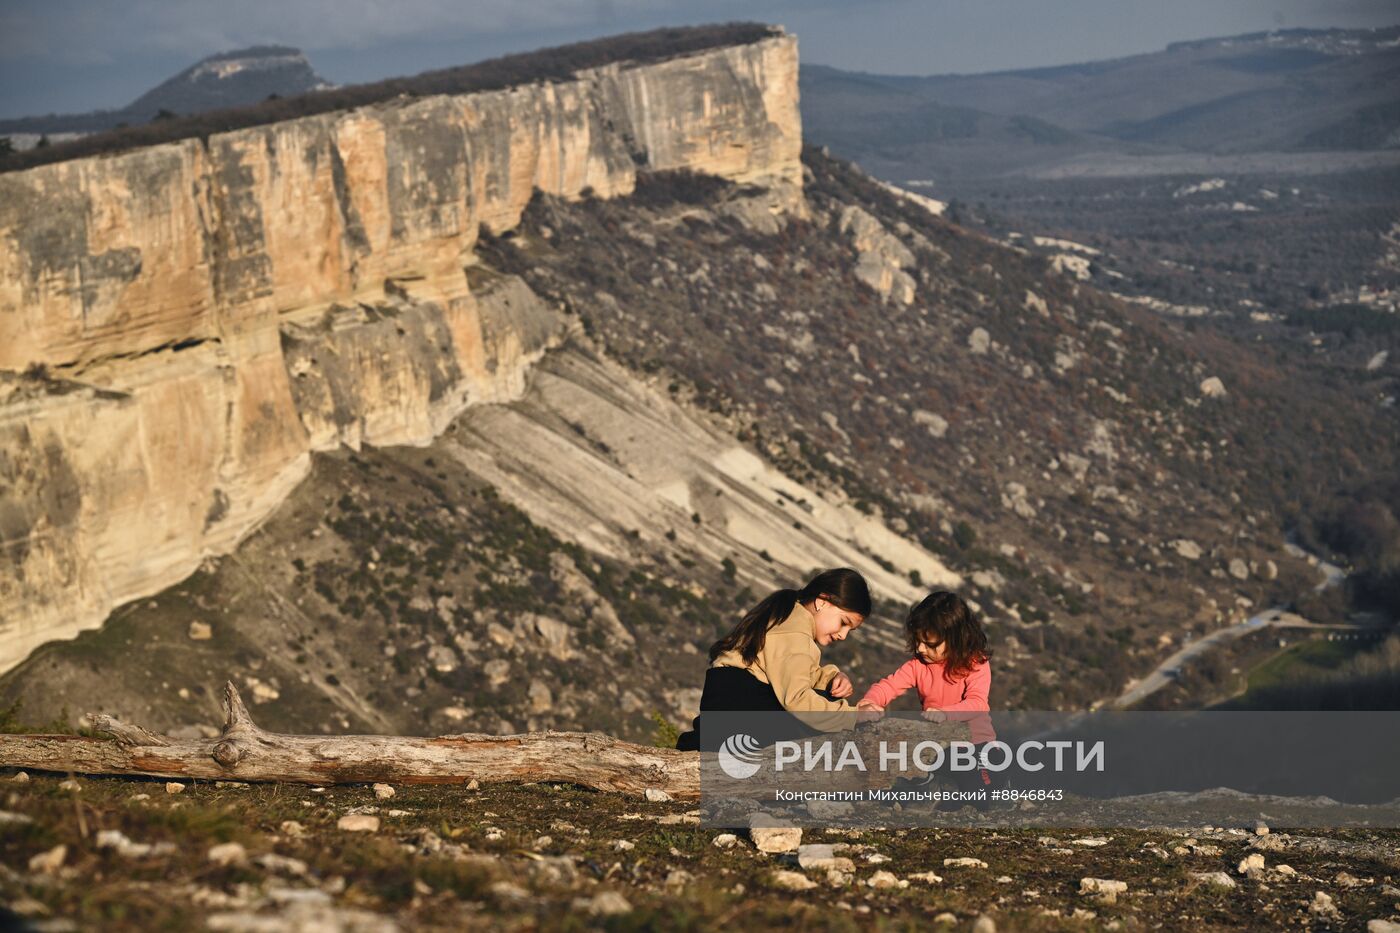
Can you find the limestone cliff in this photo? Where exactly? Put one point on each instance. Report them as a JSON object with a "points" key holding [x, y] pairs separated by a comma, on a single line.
{"points": [[182, 325]]}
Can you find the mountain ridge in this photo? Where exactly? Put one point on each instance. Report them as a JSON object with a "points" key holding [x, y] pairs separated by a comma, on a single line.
{"points": [[234, 78]]}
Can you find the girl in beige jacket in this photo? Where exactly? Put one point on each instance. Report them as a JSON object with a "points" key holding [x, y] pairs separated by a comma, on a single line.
{"points": [[771, 661]]}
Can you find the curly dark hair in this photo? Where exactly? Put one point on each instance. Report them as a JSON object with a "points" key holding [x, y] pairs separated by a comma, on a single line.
{"points": [[945, 618]]}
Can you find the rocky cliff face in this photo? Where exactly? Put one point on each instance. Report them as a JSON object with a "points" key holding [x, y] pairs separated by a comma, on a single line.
{"points": [[181, 326]]}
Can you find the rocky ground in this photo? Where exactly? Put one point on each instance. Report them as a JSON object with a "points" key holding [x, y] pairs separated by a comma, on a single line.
{"points": [[123, 854]]}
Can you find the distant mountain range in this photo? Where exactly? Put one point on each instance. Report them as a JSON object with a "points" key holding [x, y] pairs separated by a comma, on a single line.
{"points": [[1286, 91], [228, 79]]}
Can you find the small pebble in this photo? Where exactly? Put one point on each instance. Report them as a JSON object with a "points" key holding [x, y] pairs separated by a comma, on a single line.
{"points": [[358, 823], [49, 862], [603, 904], [383, 791], [1216, 879], [1106, 889], [173, 787], [791, 880], [885, 879], [1251, 862], [228, 853]]}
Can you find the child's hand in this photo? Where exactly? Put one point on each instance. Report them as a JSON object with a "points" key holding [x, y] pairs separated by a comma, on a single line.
{"points": [[935, 715], [869, 712], [840, 687]]}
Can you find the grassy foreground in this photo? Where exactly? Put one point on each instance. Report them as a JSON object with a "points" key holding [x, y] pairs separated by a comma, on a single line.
{"points": [[561, 858]]}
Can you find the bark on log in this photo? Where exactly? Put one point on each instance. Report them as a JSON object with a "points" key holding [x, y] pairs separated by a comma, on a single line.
{"points": [[245, 752]]}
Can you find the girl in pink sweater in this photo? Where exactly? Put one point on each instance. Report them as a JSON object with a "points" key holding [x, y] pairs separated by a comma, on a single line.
{"points": [[951, 668]]}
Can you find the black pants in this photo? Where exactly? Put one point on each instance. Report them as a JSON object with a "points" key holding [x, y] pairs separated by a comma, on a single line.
{"points": [[733, 689]]}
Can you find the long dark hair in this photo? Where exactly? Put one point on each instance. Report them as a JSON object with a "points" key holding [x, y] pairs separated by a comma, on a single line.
{"points": [[945, 617], [843, 587]]}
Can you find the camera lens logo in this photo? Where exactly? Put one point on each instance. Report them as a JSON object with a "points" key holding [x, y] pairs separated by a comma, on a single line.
{"points": [[740, 756]]}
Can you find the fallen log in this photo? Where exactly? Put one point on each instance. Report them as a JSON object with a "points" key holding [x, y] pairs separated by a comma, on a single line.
{"points": [[244, 752]]}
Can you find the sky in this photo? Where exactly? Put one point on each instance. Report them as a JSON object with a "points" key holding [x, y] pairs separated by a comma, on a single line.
{"points": [[69, 56]]}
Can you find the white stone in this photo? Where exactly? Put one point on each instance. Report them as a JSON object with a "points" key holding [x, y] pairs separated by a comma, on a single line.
{"points": [[228, 853], [885, 879], [937, 425], [455, 713], [1239, 569], [768, 836], [964, 862], [979, 341], [174, 787], [1216, 879], [47, 863], [358, 823], [116, 840], [442, 658], [540, 696], [790, 880], [1322, 906], [509, 891], [201, 631], [603, 904], [555, 636], [282, 864], [656, 795], [823, 857], [1213, 387], [1105, 889], [1187, 549], [1251, 862], [383, 791], [725, 841]]}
